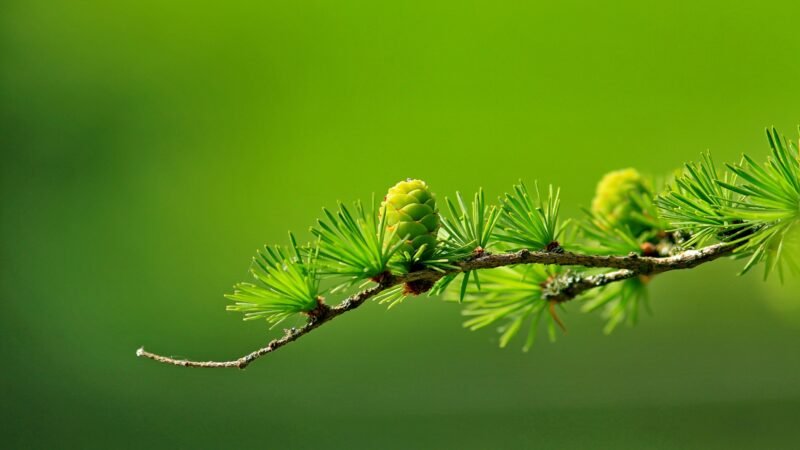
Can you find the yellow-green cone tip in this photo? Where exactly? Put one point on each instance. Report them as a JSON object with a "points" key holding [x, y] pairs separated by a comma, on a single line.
{"points": [[410, 209], [613, 201]]}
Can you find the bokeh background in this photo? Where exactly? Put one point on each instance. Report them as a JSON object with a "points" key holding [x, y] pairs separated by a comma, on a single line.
{"points": [[149, 148]]}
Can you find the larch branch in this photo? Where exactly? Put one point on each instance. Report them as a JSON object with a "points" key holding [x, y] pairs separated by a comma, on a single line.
{"points": [[627, 267]]}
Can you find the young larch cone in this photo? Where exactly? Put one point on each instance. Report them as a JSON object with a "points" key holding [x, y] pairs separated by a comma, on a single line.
{"points": [[614, 199], [410, 209]]}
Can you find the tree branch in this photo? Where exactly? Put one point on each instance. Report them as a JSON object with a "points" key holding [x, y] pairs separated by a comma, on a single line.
{"points": [[289, 335], [642, 265], [628, 267]]}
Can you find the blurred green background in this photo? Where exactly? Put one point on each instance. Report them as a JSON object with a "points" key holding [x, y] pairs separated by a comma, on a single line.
{"points": [[150, 147]]}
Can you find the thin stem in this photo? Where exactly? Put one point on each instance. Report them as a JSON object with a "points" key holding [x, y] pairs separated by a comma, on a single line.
{"points": [[628, 267], [289, 335]]}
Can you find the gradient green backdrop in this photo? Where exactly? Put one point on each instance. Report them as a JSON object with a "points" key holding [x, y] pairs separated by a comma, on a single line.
{"points": [[150, 146]]}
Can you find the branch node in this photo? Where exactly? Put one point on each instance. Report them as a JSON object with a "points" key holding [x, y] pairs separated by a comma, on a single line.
{"points": [[554, 247], [418, 287], [319, 312]]}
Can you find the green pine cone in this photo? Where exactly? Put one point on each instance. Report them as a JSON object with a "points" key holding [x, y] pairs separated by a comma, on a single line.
{"points": [[613, 199], [411, 210]]}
